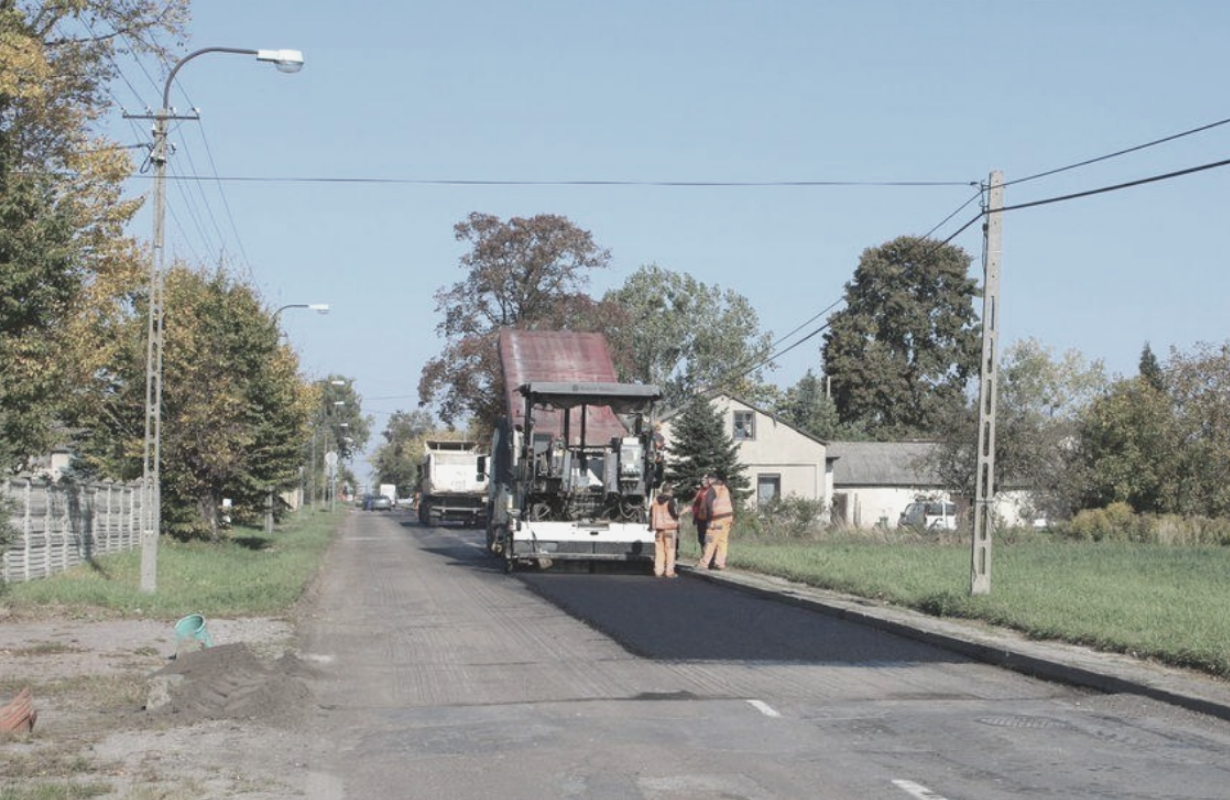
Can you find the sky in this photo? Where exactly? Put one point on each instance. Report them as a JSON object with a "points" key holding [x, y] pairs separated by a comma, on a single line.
{"points": [[760, 147]]}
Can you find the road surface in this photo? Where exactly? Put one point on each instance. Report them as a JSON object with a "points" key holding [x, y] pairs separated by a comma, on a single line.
{"points": [[442, 677]]}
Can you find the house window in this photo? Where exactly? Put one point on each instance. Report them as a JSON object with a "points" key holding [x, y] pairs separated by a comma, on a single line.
{"points": [[768, 489], [745, 425]]}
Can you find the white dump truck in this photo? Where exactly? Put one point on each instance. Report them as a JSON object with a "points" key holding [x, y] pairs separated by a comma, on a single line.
{"points": [[453, 484]]}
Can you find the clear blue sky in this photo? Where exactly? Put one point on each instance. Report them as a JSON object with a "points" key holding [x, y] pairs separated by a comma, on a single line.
{"points": [[446, 100]]}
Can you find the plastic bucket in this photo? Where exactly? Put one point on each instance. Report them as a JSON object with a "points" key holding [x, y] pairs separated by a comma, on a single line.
{"points": [[193, 627]]}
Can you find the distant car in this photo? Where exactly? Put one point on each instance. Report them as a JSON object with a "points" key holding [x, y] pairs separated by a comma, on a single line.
{"points": [[931, 514], [381, 503]]}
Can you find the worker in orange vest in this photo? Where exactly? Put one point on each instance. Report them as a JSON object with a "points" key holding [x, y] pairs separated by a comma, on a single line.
{"points": [[699, 511], [720, 513], [664, 519]]}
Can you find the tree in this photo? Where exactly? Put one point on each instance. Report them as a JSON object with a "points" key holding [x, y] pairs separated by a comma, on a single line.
{"points": [[525, 273], [1160, 441], [808, 407], [235, 411], [65, 267], [40, 278], [683, 336], [1129, 448], [1039, 402], [1199, 386], [1151, 369], [906, 344], [398, 458], [1129, 443], [700, 444]]}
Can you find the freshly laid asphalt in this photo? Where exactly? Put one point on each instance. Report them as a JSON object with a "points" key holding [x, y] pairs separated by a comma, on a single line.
{"points": [[1070, 664]]}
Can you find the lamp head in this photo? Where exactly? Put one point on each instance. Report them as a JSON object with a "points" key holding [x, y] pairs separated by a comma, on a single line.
{"points": [[284, 60]]}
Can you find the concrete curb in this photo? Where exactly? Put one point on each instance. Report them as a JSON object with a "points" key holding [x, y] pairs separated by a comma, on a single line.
{"points": [[1053, 661]]}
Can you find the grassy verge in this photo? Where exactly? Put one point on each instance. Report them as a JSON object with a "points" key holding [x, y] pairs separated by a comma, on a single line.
{"points": [[249, 574], [1152, 601]]}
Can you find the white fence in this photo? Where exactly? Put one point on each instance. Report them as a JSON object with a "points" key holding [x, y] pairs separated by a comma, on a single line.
{"points": [[54, 526]]}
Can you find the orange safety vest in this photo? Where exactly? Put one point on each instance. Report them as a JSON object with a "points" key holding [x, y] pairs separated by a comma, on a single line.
{"points": [[699, 511], [720, 504], [660, 515]]}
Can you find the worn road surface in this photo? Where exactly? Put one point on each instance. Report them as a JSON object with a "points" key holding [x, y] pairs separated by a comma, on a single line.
{"points": [[442, 677]]}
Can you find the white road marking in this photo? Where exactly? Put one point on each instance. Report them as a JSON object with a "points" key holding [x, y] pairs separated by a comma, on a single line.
{"points": [[917, 790], [764, 708], [321, 658]]}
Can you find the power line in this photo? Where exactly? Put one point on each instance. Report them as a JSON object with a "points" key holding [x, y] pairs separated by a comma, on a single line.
{"points": [[1118, 153], [486, 182], [200, 127], [1116, 187]]}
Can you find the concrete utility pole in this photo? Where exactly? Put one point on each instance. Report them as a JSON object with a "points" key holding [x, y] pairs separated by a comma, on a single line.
{"points": [[984, 490], [151, 468]]}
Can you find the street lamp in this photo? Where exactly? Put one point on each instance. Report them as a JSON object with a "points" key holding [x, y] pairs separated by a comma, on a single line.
{"points": [[321, 308], [151, 480]]}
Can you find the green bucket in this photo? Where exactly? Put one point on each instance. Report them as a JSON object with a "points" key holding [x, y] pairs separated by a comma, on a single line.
{"points": [[193, 627]]}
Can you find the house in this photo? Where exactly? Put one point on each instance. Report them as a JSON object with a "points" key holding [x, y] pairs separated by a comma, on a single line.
{"points": [[873, 482], [779, 459]]}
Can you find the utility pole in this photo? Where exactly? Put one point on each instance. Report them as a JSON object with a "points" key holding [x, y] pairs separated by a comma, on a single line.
{"points": [[151, 466], [984, 490]]}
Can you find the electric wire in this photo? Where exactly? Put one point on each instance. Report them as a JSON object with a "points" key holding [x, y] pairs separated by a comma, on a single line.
{"points": [[213, 217], [1118, 153], [193, 214], [1116, 187], [226, 206], [777, 351], [629, 183], [187, 243]]}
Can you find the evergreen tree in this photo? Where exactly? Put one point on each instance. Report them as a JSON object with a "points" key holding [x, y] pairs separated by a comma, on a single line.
{"points": [[1151, 369], [807, 407], [700, 444]]}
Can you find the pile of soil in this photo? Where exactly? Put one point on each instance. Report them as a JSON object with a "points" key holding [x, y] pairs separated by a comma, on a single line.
{"points": [[229, 682], [122, 704]]}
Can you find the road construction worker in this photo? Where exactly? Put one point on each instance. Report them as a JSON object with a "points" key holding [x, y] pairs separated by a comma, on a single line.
{"points": [[699, 512], [664, 519], [658, 440], [720, 513]]}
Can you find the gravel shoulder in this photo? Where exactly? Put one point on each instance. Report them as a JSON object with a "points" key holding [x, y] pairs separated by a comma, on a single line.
{"points": [[129, 711]]}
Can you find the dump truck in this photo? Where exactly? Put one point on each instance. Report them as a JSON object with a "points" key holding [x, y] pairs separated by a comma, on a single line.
{"points": [[572, 462], [453, 484]]}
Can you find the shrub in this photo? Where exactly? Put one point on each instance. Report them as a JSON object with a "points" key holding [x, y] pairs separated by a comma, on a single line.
{"points": [[1118, 523], [790, 517]]}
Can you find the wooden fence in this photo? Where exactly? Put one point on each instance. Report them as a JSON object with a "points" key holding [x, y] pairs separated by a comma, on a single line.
{"points": [[54, 526]]}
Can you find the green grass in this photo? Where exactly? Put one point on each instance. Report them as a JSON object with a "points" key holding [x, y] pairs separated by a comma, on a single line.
{"points": [[249, 573], [1152, 601]]}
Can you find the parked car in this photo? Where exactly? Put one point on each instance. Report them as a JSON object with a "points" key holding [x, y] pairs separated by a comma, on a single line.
{"points": [[381, 503], [929, 514]]}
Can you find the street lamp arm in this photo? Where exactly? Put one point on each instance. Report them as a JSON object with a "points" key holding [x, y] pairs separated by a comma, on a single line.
{"points": [[284, 60], [322, 308]]}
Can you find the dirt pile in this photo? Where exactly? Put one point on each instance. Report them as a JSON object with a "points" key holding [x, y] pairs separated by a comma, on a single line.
{"points": [[230, 682]]}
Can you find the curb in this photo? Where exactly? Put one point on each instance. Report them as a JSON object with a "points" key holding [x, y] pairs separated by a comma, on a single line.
{"points": [[1074, 665]]}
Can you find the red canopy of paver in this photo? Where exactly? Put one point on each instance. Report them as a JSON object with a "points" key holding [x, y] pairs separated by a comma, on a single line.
{"points": [[528, 357]]}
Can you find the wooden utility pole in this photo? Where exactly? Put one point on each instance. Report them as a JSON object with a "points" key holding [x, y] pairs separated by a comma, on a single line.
{"points": [[984, 490]]}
